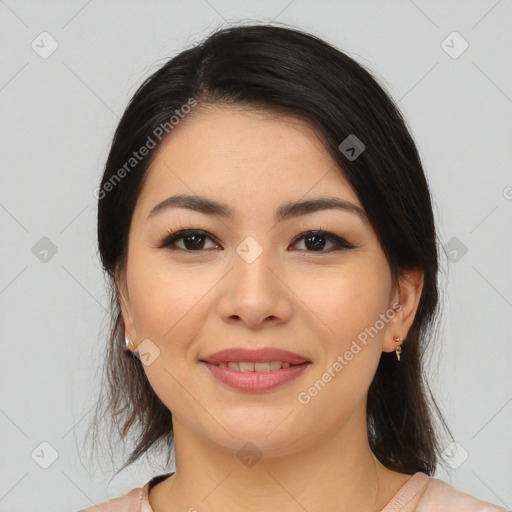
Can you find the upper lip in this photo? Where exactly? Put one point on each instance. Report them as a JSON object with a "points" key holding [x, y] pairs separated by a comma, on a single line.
{"points": [[260, 355]]}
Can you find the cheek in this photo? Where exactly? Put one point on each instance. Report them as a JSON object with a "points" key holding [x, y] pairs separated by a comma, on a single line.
{"points": [[170, 308], [148, 295], [168, 301], [347, 300]]}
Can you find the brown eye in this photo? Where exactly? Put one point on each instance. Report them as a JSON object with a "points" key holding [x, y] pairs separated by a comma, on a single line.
{"points": [[193, 241], [316, 241]]}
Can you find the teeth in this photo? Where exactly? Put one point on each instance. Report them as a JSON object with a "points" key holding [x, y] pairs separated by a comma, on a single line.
{"points": [[276, 365], [249, 367], [255, 367]]}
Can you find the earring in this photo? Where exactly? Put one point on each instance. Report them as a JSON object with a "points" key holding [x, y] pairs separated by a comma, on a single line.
{"points": [[398, 350], [129, 344]]}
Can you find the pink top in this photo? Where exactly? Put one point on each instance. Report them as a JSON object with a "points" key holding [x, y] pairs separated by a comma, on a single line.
{"points": [[420, 493]]}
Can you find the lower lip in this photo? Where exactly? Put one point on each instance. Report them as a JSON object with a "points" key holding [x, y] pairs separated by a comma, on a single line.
{"points": [[256, 381]]}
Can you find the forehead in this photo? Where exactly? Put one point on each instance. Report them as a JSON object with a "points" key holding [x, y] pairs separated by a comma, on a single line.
{"points": [[249, 159]]}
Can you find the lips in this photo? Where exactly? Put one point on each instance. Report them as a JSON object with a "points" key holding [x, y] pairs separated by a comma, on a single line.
{"points": [[261, 355], [255, 370]]}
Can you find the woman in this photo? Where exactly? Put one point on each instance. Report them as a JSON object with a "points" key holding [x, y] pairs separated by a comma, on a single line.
{"points": [[267, 228]]}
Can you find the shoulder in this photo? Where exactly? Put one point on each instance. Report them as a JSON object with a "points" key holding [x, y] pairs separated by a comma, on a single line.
{"points": [[129, 502], [136, 500], [422, 493], [440, 496]]}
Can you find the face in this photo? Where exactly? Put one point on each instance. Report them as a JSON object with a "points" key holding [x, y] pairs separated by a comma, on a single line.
{"points": [[310, 281]]}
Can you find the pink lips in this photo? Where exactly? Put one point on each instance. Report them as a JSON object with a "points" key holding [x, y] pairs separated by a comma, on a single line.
{"points": [[254, 356], [255, 381]]}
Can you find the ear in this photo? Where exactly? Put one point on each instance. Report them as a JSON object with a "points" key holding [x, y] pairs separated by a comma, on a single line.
{"points": [[126, 312], [407, 294]]}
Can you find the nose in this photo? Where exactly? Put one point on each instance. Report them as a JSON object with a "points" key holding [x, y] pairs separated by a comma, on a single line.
{"points": [[255, 293]]}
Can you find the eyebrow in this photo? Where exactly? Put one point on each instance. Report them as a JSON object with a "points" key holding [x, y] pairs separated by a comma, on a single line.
{"points": [[284, 212]]}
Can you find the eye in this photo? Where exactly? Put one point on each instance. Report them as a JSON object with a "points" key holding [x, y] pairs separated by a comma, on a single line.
{"points": [[194, 240], [315, 241]]}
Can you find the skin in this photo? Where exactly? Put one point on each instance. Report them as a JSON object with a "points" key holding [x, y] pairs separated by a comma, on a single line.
{"points": [[190, 304]]}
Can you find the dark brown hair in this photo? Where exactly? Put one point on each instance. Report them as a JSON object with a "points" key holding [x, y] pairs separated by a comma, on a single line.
{"points": [[281, 70]]}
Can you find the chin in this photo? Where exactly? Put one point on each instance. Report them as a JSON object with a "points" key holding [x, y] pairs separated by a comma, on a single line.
{"points": [[269, 441]]}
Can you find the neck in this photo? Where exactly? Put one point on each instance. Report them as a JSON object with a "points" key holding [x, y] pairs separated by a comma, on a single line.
{"points": [[338, 473]]}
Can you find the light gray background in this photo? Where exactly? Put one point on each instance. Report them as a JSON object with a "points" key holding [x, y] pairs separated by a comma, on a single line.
{"points": [[58, 116]]}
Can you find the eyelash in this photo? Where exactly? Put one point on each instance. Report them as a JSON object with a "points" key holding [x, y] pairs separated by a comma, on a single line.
{"points": [[171, 236]]}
